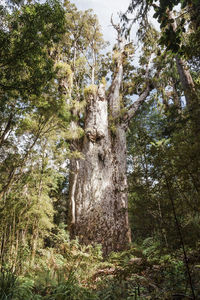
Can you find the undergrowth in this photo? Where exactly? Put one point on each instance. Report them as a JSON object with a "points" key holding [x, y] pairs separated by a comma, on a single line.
{"points": [[70, 271]]}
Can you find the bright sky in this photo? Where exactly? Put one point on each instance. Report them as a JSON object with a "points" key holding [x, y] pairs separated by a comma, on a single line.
{"points": [[104, 9]]}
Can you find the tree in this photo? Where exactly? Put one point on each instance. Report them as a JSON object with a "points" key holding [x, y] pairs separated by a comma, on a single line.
{"points": [[98, 183], [173, 36], [164, 178], [33, 114]]}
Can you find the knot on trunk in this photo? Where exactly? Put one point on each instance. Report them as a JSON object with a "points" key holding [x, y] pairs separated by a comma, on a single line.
{"points": [[100, 134], [94, 134], [91, 134]]}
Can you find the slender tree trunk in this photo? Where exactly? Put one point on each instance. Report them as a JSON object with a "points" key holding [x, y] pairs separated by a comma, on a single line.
{"points": [[181, 237], [34, 245], [176, 97], [6, 130], [16, 252], [3, 246], [186, 81], [184, 74]]}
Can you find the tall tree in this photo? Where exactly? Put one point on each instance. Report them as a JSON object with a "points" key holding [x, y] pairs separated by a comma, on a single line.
{"points": [[173, 36], [98, 182], [32, 110]]}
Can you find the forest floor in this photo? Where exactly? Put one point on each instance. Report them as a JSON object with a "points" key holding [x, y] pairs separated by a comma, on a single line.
{"points": [[75, 272]]}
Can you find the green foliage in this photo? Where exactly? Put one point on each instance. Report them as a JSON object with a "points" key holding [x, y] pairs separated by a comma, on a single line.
{"points": [[15, 288], [90, 91], [72, 271], [179, 26], [8, 282], [70, 289], [26, 66]]}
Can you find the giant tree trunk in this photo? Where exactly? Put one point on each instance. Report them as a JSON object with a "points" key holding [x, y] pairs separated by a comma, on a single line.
{"points": [[98, 184]]}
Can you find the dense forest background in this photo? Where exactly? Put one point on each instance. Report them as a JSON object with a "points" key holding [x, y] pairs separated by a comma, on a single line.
{"points": [[50, 52]]}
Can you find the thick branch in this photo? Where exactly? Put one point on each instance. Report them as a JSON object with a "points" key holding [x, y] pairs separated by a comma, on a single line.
{"points": [[135, 106], [114, 96], [6, 130]]}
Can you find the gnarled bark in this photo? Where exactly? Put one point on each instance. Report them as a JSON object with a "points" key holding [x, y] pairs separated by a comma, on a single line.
{"points": [[99, 185]]}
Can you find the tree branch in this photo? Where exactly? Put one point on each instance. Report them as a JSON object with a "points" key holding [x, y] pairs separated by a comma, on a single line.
{"points": [[114, 95], [132, 110], [135, 106]]}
